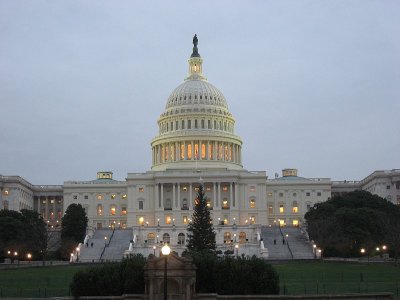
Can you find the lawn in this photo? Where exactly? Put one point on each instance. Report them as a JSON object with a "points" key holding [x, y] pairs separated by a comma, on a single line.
{"points": [[334, 278], [37, 282], [295, 278]]}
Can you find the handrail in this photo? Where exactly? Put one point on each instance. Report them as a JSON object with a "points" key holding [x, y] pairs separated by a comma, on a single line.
{"points": [[107, 244], [287, 242]]}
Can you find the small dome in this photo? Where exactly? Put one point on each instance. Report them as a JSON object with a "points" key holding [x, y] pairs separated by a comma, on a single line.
{"points": [[200, 92]]}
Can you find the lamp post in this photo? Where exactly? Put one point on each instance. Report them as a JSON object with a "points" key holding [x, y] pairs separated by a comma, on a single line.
{"points": [[29, 257], [105, 241], [77, 254], [237, 250], [165, 250], [154, 250], [315, 251]]}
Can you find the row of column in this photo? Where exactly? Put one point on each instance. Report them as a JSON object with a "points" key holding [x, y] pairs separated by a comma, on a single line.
{"points": [[48, 206], [217, 194], [196, 150]]}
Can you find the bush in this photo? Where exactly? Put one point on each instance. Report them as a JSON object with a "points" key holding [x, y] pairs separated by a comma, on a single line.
{"points": [[111, 279]]}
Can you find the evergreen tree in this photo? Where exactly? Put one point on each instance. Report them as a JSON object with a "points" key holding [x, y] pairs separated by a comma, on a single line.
{"points": [[201, 235]]}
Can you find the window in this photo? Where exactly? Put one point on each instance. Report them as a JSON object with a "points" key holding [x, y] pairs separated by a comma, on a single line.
{"points": [[99, 197], [269, 194], [166, 238], [43, 201], [113, 210], [123, 210], [209, 124], [195, 124], [5, 205], [141, 190], [225, 188], [280, 194], [140, 205], [140, 220], [319, 194], [252, 203], [208, 189], [252, 189], [281, 209], [295, 223], [181, 239], [294, 194], [189, 124], [183, 124], [124, 196], [99, 210], [209, 203], [59, 215], [168, 219], [388, 187], [270, 209], [282, 222], [308, 194], [295, 209], [86, 197], [76, 197], [168, 204], [151, 238], [227, 237], [242, 237], [113, 196], [185, 219], [6, 192], [52, 201], [184, 188], [225, 204], [185, 204], [252, 220]]}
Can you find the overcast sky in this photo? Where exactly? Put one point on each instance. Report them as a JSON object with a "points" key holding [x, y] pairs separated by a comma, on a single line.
{"points": [[313, 85]]}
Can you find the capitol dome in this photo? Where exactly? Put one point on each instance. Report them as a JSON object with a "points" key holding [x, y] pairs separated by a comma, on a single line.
{"points": [[196, 130]]}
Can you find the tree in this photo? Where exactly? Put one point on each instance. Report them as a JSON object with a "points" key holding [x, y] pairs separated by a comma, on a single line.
{"points": [[346, 223], [201, 235], [73, 228]]}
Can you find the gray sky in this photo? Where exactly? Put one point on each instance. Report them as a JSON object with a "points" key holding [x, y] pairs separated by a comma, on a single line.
{"points": [[313, 85]]}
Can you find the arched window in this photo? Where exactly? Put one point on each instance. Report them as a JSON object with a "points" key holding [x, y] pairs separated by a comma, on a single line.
{"points": [[181, 239], [252, 203], [242, 237], [113, 210], [227, 237], [225, 204], [99, 209], [151, 237], [166, 238]]}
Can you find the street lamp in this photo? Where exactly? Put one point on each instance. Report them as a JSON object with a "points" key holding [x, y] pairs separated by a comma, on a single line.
{"points": [[77, 254], [237, 250], [154, 250], [105, 241], [315, 250], [165, 250], [29, 257]]}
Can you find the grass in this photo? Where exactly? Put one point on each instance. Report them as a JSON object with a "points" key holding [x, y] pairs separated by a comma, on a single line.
{"points": [[37, 282], [334, 278], [295, 278]]}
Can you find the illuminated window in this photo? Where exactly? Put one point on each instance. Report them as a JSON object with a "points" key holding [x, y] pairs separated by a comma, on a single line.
{"points": [[252, 220], [295, 209], [52, 201], [210, 151], [166, 238], [225, 204], [151, 238], [184, 188], [220, 151], [208, 203], [242, 237], [226, 153], [208, 189], [168, 219], [112, 196], [189, 150], [226, 221], [270, 209], [6, 192], [140, 220], [196, 189], [113, 210], [269, 194], [51, 215], [124, 196], [99, 197], [224, 188], [43, 201], [141, 190], [196, 151], [295, 223], [123, 210], [182, 151], [282, 223], [99, 210], [227, 237], [252, 203], [203, 150], [59, 215], [185, 219], [172, 151], [281, 209], [181, 239], [252, 189]]}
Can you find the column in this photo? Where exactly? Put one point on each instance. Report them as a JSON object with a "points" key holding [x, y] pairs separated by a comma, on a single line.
{"points": [[47, 208], [219, 191], [176, 156], [200, 150], [190, 195], [179, 194], [231, 195], [215, 195], [236, 193], [157, 192], [192, 150], [207, 150], [162, 195], [173, 196]]}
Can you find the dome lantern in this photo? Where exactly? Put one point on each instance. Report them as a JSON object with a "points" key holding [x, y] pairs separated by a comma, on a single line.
{"points": [[195, 63]]}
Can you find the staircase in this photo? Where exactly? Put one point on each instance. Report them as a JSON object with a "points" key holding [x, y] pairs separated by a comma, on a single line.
{"points": [[111, 248], [296, 245]]}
